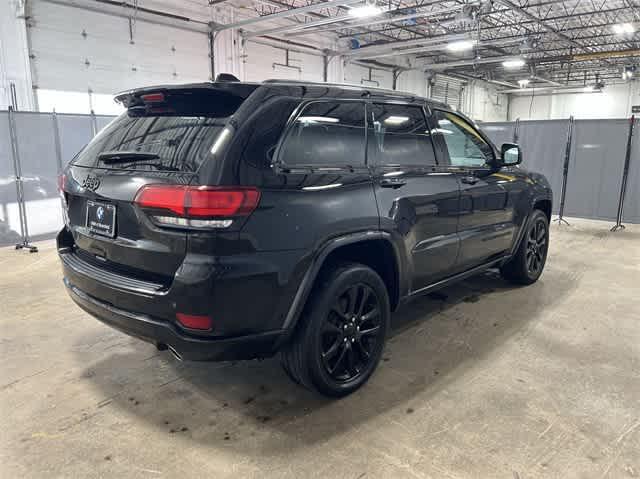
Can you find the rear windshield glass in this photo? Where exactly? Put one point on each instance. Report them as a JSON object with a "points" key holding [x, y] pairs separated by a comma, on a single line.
{"points": [[172, 135]]}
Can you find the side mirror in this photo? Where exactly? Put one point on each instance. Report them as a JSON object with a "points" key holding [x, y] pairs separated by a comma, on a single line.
{"points": [[510, 155]]}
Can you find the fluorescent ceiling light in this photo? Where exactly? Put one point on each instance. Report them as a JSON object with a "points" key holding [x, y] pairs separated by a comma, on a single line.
{"points": [[396, 120], [318, 119], [515, 63], [461, 45], [623, 29], [523, 83], [589, 89], [367, 10]]}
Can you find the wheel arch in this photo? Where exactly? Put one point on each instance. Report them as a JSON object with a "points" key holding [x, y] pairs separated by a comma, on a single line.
{"points": [[544, 205], [371, 248]]}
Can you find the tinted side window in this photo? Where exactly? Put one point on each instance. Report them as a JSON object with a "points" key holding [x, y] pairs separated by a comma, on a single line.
{"points": [[265, 130], [326, 134], [398, 135], [466, 147]]}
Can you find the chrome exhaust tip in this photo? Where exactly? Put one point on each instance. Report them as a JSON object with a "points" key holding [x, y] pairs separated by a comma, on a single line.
{"points": [[175, 353]]}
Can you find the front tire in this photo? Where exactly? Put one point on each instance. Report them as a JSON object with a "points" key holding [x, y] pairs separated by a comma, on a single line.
{"points": [[526, 266], [340, 337]]}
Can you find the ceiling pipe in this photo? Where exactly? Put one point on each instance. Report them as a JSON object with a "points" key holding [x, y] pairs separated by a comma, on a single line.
{"points": [[389, 18], [473, 61], [435, 43], [385, 47], [298, 27], [442, 45], [493, 82], [341, 18], [284, 14], [546, 80], [581, 57], [549, 90]]}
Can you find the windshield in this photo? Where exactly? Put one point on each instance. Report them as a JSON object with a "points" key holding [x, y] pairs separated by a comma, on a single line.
{"points": [[172, 143]]}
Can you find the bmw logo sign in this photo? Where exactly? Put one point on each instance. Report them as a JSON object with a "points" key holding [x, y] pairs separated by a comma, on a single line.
{"points": [[100, 213]]}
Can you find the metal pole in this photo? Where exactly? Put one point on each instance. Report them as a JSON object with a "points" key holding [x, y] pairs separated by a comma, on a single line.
{"points": [[516, 131], [211, 36], [22, 211], [325, 68], [565, 172], [625, 175], [94, 123], [56, 139]]}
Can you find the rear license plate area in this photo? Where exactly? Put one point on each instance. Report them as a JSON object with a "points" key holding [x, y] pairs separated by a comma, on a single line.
{"points": [[101, 218]]}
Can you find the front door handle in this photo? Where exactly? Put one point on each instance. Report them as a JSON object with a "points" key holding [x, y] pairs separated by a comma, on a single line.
{"points": [[392, 182], [469, 180]]}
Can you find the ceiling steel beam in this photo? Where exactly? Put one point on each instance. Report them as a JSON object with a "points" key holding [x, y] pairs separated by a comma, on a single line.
{"points": [[474, 78], [284, 14], [472, 61], [440, 45], [546, 80], [301, 26], [541, 23], [390, 17], [384, 47], [581, 57]]}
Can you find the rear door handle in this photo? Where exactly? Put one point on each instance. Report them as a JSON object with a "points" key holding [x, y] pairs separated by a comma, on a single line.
{"points": [[392, 182], [469, 180]]}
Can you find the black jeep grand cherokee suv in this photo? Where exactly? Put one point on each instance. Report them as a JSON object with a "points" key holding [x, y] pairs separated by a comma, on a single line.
{"points": [[231, 220]]}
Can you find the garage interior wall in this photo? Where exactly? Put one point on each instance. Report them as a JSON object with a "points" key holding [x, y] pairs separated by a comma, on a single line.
{"points": [[80, 57], [78, 50], [615, 101], [15, 72]]}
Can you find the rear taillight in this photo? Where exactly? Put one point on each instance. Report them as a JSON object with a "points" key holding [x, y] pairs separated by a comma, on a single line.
{"points": [[197, 206], [62, 182]]}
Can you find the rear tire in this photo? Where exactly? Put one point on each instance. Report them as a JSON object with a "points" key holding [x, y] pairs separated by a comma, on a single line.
{"points": [[526, 266], [340, 337]]}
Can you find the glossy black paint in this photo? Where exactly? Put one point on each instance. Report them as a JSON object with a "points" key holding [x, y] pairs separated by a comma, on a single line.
{"points": [[253, 279]]}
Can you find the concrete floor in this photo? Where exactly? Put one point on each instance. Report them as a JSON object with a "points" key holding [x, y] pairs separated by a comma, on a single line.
{"points": [[483, 380]]}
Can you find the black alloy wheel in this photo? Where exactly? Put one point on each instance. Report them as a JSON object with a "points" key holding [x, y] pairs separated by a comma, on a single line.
{"points": [[536, 247], [342, 332], [527, 264], [351, 333]]}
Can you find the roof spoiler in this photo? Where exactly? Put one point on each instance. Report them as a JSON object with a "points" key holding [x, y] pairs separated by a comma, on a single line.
{"points": [[226, 77]]}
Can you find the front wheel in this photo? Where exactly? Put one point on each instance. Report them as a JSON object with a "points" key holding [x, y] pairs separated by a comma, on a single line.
{"points": [[526, 266], [340, 337]]}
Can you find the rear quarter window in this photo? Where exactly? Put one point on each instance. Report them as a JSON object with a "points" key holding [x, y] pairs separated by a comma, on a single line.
{"points": [[326, 133]]}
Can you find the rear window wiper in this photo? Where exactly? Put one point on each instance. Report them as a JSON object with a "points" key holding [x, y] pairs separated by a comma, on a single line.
{"points": [[157, 166], [126, 156]]}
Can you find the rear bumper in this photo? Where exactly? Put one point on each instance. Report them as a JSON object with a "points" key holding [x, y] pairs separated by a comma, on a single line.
{"points": [[163, 333]]}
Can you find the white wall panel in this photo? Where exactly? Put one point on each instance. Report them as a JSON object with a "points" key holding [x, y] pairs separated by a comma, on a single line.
{"points": [[359, 75], [484, 103], [14, 58], [104, 60], [413, 81], [262, 62], [614, 101]]}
